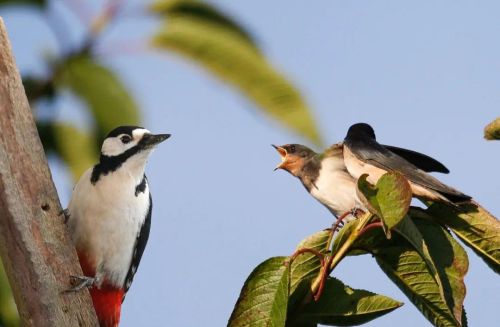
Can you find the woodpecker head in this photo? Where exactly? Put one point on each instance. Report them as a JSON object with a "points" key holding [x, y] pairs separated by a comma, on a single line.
{"points": [[293, 157], [128, 145], [126, 138]]}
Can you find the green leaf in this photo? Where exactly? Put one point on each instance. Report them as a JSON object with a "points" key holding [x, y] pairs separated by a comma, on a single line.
{"points": [[452, 260], [367, 193], [394, 197], [409, 271], [343, 235], [341, 305], [306, 267], [492, 130], [75, 147], [475, 226], [36, 3], [203, 12], [411, 233], [232, 58], [264, 297], [390, 199], [109, 101]]}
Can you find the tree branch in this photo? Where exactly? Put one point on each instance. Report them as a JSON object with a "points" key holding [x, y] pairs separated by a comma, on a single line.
{"points": [[34, 246]]}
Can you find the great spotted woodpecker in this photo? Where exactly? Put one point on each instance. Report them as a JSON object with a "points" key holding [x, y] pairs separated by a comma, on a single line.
{"points": [[109, 218]]}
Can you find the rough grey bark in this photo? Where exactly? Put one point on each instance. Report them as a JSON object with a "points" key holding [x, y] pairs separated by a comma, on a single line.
{"points": [[34, 245]]}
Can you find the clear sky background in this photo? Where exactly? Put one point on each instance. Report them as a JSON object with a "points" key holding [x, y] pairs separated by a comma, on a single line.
{"points": [[425, 74]]}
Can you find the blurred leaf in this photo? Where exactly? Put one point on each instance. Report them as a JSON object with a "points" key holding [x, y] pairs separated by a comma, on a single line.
{"points": [[37, 3], [390, 199], [475, 226], [201, 11], [408, 270], [341, 305], [74, 146], [264, 297], [8, 310], [37, 88], [234, 59], [492, 130], [107, 98]]}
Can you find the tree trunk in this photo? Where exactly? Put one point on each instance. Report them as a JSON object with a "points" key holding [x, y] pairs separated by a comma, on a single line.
{"points": [[34, 245]]}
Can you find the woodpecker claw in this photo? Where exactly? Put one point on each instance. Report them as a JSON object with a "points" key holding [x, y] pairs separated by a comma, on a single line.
{"points": [[80, 282]]}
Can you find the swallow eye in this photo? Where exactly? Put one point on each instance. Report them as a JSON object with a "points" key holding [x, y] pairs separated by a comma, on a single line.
{"points": [[125, 139], [292, 148]]}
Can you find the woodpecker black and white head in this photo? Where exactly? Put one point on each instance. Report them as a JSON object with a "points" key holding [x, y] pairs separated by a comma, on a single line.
{"points": [[109, 218]]}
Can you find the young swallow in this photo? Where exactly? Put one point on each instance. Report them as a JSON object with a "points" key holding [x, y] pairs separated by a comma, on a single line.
{"points": [[364, 155], [327, 179], [324, 175]]}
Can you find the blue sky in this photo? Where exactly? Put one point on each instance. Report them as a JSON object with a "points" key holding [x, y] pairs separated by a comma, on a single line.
{"points": [[424, 74]]}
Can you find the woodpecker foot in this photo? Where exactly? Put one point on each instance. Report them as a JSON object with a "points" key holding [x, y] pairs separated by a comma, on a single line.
{"points": [[80, 282]]}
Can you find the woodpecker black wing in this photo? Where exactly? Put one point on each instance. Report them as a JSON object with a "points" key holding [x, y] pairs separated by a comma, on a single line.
{"points": [[140, 245], [422, 161], [370, 151]]}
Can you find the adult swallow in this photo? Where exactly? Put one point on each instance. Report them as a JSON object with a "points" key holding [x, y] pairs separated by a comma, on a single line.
{"points": [[364, 155], [326, 178]]}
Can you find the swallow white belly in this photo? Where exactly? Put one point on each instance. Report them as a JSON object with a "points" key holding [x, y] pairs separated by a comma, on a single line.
{"points": [[334, 187]]}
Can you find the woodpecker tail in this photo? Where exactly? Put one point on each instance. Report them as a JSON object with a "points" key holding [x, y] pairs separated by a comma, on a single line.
{"points": [[107, 299]]}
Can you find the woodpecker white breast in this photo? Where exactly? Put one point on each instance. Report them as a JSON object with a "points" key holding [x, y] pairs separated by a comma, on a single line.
{"points": [[110, 209]]}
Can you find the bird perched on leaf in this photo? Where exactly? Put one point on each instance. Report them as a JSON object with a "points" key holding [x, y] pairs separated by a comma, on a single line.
{"points": [[364, 155], [109, 218], [327, 179]]}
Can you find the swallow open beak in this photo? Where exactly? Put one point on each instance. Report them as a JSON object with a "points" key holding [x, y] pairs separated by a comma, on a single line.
{"points": [[151, 140], [283, 154]]}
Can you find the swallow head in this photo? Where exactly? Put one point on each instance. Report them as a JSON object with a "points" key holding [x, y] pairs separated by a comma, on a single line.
{"points": [[293, 157], [361, 130]]}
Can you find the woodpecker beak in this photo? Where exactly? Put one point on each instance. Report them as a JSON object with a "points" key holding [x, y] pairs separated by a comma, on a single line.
{"points": [[283, 154], [151, 140]]}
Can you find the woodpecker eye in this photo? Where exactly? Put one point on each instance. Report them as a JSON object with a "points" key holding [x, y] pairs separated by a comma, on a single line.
{"points": [[292, 148], [125, 139]]}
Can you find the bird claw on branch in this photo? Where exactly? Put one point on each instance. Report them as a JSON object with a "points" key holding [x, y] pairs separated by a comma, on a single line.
{"points": [[80, 282]]}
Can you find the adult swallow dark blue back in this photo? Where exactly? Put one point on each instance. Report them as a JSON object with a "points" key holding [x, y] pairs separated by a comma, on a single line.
{"points": [[364, 155]]}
